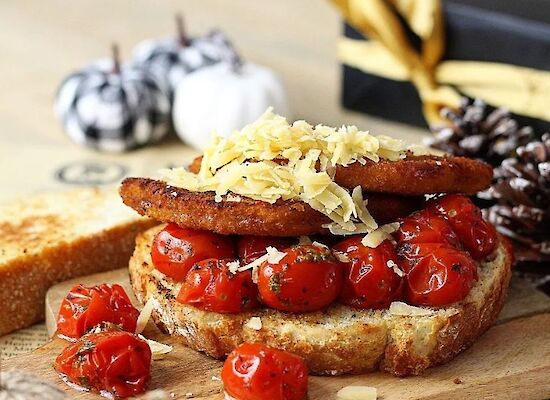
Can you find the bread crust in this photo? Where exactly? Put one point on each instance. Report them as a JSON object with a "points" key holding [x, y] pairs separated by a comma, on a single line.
{"points": [[31, 263], [340, 339], [411, 176], [199, 210]]}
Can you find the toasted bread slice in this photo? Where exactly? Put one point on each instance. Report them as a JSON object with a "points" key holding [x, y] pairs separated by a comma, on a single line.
{"points": [[340, 339], [48, 238], [200, 210]]}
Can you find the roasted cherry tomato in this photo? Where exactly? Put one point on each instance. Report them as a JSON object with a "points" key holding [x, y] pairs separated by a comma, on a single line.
{"points": [[372, 278], [210, 285], [426, 227], [85, 307], [253, 247], [116, 362], [176, 249], [307, 278], [255, 371], [477, 235], [438, 274]]}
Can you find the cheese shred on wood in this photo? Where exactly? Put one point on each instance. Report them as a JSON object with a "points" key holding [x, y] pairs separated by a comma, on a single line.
{"points": [[271, 159]]}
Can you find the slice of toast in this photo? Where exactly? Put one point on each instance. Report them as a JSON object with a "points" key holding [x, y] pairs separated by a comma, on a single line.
{"points": [[51, 237], [340, 339]]}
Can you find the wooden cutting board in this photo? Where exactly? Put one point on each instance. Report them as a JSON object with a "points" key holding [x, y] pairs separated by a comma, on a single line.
{"points": [[511, 361]]}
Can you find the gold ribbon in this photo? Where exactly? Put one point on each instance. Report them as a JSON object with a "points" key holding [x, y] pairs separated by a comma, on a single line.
{"points": [[389, 54]]}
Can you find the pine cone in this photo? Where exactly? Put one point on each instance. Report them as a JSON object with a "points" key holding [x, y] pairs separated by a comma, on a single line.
{"points": [[521, 191], [477, 132]]}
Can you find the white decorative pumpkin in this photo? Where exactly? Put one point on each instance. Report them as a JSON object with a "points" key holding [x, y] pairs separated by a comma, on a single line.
{"points": [[222, 98]]}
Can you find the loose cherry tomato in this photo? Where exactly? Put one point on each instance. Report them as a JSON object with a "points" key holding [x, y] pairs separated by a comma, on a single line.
{"points": [[307, 278], [372, 278], [116, 362], [176, 249], [85, 307], [210, 285], [438, 274], [477, 235], [255, 371], [426, 227], [253, 247]]}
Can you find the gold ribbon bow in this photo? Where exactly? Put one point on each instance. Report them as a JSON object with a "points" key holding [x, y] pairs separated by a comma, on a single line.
{"points": [[389, 54]]}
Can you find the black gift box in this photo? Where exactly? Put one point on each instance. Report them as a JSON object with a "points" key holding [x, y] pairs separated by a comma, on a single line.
{"points": [[473, 33]]}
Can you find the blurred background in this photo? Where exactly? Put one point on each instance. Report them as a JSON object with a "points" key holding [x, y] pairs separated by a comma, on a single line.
{"points": [[42, 42], [300, 43]]}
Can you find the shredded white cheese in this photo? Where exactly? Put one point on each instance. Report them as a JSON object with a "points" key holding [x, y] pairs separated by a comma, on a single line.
{"points": [[404, 309], [158, 350], [342, 257], [271, 159], [272, 256], [392, 265], [234, 266], [377, 236], [357, 393], [254, 323], [145, 315]]}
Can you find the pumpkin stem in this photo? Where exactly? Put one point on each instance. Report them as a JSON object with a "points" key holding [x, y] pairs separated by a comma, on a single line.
{"points": [[180, 26], [116, 58]]}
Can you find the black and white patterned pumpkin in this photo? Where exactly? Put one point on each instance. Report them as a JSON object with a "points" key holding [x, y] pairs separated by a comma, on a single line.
{"points": [[170, 59], [112, 108]]}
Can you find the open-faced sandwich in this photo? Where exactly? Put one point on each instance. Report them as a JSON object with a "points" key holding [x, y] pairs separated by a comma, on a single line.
{"points": [[352, 251]]}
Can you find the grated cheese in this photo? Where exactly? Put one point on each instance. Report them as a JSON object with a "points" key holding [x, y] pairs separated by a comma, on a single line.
{"points": [[254, 323], [377, 236], [145, 315], [158, 350], [233, 266], [392, 265], [404, 309], [342, 257], [272, 256], [271, 159], [357, 393]]}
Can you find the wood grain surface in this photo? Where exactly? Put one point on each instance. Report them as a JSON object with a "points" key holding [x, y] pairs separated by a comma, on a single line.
{"points": [[511, 361]]}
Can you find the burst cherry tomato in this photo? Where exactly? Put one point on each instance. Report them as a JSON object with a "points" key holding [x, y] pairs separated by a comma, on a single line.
{"points": [[176, 249], [438, 274], [85, 307], [117, 362], [372, 278], [210, 285], [477, 235], [257, 372], [253, 247], [307, 278], [426, 227]]}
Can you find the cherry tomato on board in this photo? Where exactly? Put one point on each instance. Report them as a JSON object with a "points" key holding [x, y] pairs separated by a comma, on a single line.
{"points": [[114, 361], [255, 371], [372, 278], [85, 307], [211, 286], [253, 247], [176, 249], [478, 236], [438, 274], [307, 278], [426, 227]]}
